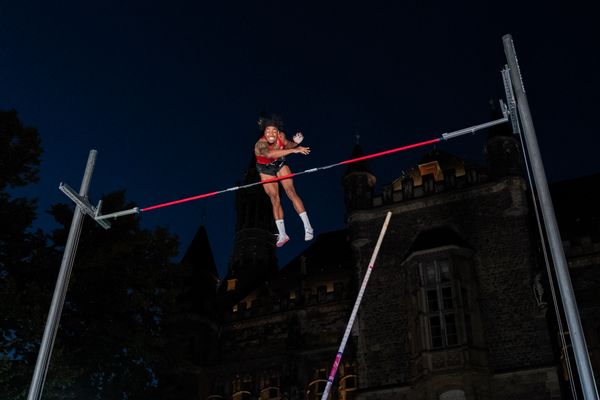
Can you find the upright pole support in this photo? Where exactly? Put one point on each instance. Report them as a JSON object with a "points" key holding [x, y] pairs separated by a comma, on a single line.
{"points": [[60, 290], [563, 279]]}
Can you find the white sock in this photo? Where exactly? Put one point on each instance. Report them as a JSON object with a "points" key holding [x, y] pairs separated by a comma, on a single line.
{"points": [[280, 227], [305, 221]]}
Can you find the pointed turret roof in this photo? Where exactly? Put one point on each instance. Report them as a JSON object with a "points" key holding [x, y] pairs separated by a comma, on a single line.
{"points": [[359, 166], [199, 255], [200, 276]]}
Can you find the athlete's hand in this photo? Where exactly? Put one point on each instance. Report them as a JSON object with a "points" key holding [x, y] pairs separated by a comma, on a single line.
{"points": [[298, 138], [302, 150]]}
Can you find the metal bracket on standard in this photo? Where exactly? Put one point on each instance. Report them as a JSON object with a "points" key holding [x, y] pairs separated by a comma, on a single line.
{"points": [[92, 211], [101, 218], [512, 112], [474, 129], [503, 108], [83, 204]]}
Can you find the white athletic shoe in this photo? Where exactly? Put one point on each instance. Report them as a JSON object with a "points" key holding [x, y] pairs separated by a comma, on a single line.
{"points": [[308, 234], [281, 240]]}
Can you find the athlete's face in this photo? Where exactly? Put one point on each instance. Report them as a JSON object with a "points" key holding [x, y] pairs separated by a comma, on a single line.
{"points": [[271, 133]]}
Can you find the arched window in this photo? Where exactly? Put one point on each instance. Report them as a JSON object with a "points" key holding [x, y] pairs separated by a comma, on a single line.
{"points": [[269, 383], [242, 395], [348, 384], [270, 393], [315, 389], [241, 387], [217, 389]]}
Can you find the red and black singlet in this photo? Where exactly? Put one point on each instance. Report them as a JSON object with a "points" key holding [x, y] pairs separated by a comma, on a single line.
{"points": [[267, 160]]}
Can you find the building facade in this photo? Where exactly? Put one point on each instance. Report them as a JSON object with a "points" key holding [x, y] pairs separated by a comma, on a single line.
{"points": [[458, 306]]}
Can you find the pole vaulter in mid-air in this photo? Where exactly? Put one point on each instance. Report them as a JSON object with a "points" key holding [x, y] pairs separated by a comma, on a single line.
{"points": [[270, 151]]}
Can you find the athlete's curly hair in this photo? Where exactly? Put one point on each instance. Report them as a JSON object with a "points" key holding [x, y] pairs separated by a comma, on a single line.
{"points": [[265, 120]]}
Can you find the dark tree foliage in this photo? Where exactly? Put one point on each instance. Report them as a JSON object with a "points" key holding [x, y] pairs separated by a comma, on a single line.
{"points": [[112, 342], [24, 259], [20, 151], [121, 291]]}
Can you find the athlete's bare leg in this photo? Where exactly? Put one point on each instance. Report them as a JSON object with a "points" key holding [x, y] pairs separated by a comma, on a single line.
{"points": [[288, 186], [272, 190]]}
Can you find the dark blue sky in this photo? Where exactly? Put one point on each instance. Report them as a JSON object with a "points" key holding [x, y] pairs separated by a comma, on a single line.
{"points": [[169, 94]]}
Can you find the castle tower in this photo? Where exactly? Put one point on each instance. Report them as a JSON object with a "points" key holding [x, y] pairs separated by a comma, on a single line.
{"points": [[253, 259], [359, 183]]}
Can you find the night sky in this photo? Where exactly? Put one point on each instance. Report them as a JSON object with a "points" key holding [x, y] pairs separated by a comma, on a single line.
{"points": [[169, 95]]}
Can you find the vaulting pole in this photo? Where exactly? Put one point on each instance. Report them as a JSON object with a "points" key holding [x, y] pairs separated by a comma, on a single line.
{"points": [[60, 290], [340, 352], [563, 279]]}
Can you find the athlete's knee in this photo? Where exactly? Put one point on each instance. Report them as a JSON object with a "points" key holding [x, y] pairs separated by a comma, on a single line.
{"points": [[274, 197], [291, 193]]}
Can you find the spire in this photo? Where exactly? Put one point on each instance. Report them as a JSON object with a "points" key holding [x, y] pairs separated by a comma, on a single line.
{"points": [[199, 255], [202, 273], [360, 166]]}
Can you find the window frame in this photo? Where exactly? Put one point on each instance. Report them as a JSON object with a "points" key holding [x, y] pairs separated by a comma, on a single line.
{"points": [[437, 280]]}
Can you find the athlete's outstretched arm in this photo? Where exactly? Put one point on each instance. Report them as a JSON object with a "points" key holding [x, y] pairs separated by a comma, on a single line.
{"points": [[262, 149], [297, 139]]}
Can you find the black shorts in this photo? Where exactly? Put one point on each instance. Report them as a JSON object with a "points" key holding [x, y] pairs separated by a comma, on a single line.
{"points": [[272, 168]]}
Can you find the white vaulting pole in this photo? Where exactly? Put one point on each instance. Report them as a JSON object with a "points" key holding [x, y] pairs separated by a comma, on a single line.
{"points": [[363, 286]]}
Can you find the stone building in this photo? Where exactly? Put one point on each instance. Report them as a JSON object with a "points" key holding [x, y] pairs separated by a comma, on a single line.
{"points": [[457, 307]]}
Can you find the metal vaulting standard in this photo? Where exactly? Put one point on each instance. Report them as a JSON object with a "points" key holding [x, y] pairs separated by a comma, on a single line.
{"points": [[582, 359]]}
